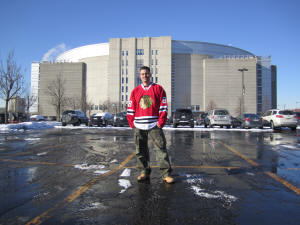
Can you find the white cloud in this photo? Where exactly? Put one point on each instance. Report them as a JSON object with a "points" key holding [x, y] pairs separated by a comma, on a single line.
{"points": [[55, 51]]}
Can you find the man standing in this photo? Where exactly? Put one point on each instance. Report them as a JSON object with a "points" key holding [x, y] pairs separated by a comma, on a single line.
{"points": [[147, 112]]}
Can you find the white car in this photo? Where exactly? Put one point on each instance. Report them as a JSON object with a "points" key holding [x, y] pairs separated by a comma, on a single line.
{"points": [[280, 118], [37, 118], [218, 117]]}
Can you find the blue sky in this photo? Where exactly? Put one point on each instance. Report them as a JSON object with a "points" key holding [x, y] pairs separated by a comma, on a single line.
{"points": [[266, 28]]}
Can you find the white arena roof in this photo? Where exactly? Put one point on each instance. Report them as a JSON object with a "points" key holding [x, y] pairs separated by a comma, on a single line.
{"points": [[75, 54]]}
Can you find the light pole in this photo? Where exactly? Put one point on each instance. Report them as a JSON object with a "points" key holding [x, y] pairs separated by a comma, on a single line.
{"points": [[243, 90]]}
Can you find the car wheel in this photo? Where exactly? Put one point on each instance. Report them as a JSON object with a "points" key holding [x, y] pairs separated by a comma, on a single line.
{"points": [[205, 125], [261, 127], [293, 128], [63, 124], [192, 125], [174, 125], [228, 127], [272, 125]]}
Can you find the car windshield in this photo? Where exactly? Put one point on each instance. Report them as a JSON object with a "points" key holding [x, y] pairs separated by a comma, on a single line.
{"points": [[68, 111], [221, 112], [251, 116], [79, 113], [286, 112], [185, 111]]}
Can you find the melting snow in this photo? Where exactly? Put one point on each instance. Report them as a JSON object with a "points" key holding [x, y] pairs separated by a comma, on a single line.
{"points": [[88, 167], [125, 184], [99, 172], [42, 153], [126, 173]]}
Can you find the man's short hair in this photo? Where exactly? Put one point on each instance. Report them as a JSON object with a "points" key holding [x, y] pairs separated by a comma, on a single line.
{"points": [[145, 68]]}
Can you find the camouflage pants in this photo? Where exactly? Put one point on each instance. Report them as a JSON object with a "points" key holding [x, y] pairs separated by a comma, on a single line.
{"points": [[142, 151]]}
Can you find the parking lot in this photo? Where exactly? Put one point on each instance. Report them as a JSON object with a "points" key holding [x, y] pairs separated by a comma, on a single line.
{"points": [[82, 175]]}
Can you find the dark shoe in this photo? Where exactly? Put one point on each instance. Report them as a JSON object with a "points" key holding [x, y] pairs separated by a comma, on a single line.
{"points": [[143, 177], [168, 179]]}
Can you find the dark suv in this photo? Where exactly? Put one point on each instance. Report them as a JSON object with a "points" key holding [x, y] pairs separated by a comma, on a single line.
{"points": [[183, 117], [74, 117]]}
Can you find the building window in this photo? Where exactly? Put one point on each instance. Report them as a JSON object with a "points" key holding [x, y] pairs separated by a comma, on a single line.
{"points": [[122, 98], [126, 88], [126, 80], [122, 62], [156, 61], [122, 53], [127, 53], [156, 52], [126, 62], [140, 52], [156, 79], [126, 97], [122, 88], [122, 80], [156, 71], [126, 71], [152, 52], [197, 108], [96, 107]]}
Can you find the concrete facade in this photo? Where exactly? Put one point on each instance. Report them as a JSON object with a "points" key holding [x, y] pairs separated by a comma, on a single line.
{"points": [[74, 85], [193, 74]]}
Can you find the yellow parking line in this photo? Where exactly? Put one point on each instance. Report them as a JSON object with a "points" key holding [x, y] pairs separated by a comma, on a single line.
{"points": [[270, 174], [35, 162], [49, 213]]}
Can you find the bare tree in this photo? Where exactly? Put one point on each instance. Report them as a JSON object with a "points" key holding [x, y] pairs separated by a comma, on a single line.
{"points": [[211, 105], [87, 105], [11, 81], [74, 102], [238, 109], [29, 101], [56, 90]]}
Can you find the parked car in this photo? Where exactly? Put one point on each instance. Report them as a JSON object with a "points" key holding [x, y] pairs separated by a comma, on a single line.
{"points": [[74, 117], [251, 120], [183, 117], [119, 120], [218, 117], [280, 118], [97, 119], [200, 119], [297, 114], [37, 118], [236, 122]]}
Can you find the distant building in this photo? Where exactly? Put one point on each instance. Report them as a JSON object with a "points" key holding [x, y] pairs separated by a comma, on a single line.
{"points": [[193, 74]]}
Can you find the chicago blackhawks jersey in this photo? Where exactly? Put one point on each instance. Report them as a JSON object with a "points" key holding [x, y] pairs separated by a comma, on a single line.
{"points": [[147, 107]]}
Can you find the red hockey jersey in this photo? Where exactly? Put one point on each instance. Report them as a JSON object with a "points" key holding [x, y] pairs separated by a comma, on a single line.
{"points": [[147, 107]]}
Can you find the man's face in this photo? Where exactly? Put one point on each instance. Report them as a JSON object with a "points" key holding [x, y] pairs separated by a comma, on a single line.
{"points": [[145, 76]]}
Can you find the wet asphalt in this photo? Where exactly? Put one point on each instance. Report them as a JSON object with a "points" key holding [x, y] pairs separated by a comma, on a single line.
{"points": [[74, 176]]}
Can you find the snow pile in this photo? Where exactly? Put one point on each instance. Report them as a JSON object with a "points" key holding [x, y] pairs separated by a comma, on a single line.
{"points": [[8, 128]]}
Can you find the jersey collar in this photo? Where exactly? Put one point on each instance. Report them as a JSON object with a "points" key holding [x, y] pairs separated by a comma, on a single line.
{"points": [[147, 88]]}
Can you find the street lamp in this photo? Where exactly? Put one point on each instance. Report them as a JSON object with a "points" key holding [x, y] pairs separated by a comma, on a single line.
{"points": [[243, 89]]}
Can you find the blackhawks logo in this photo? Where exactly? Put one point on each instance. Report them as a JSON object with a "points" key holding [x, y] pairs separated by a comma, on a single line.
{"points": [[145, 102]]}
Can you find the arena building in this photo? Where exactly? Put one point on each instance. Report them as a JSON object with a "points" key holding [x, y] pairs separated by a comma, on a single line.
{"points": [[196, 75]]}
